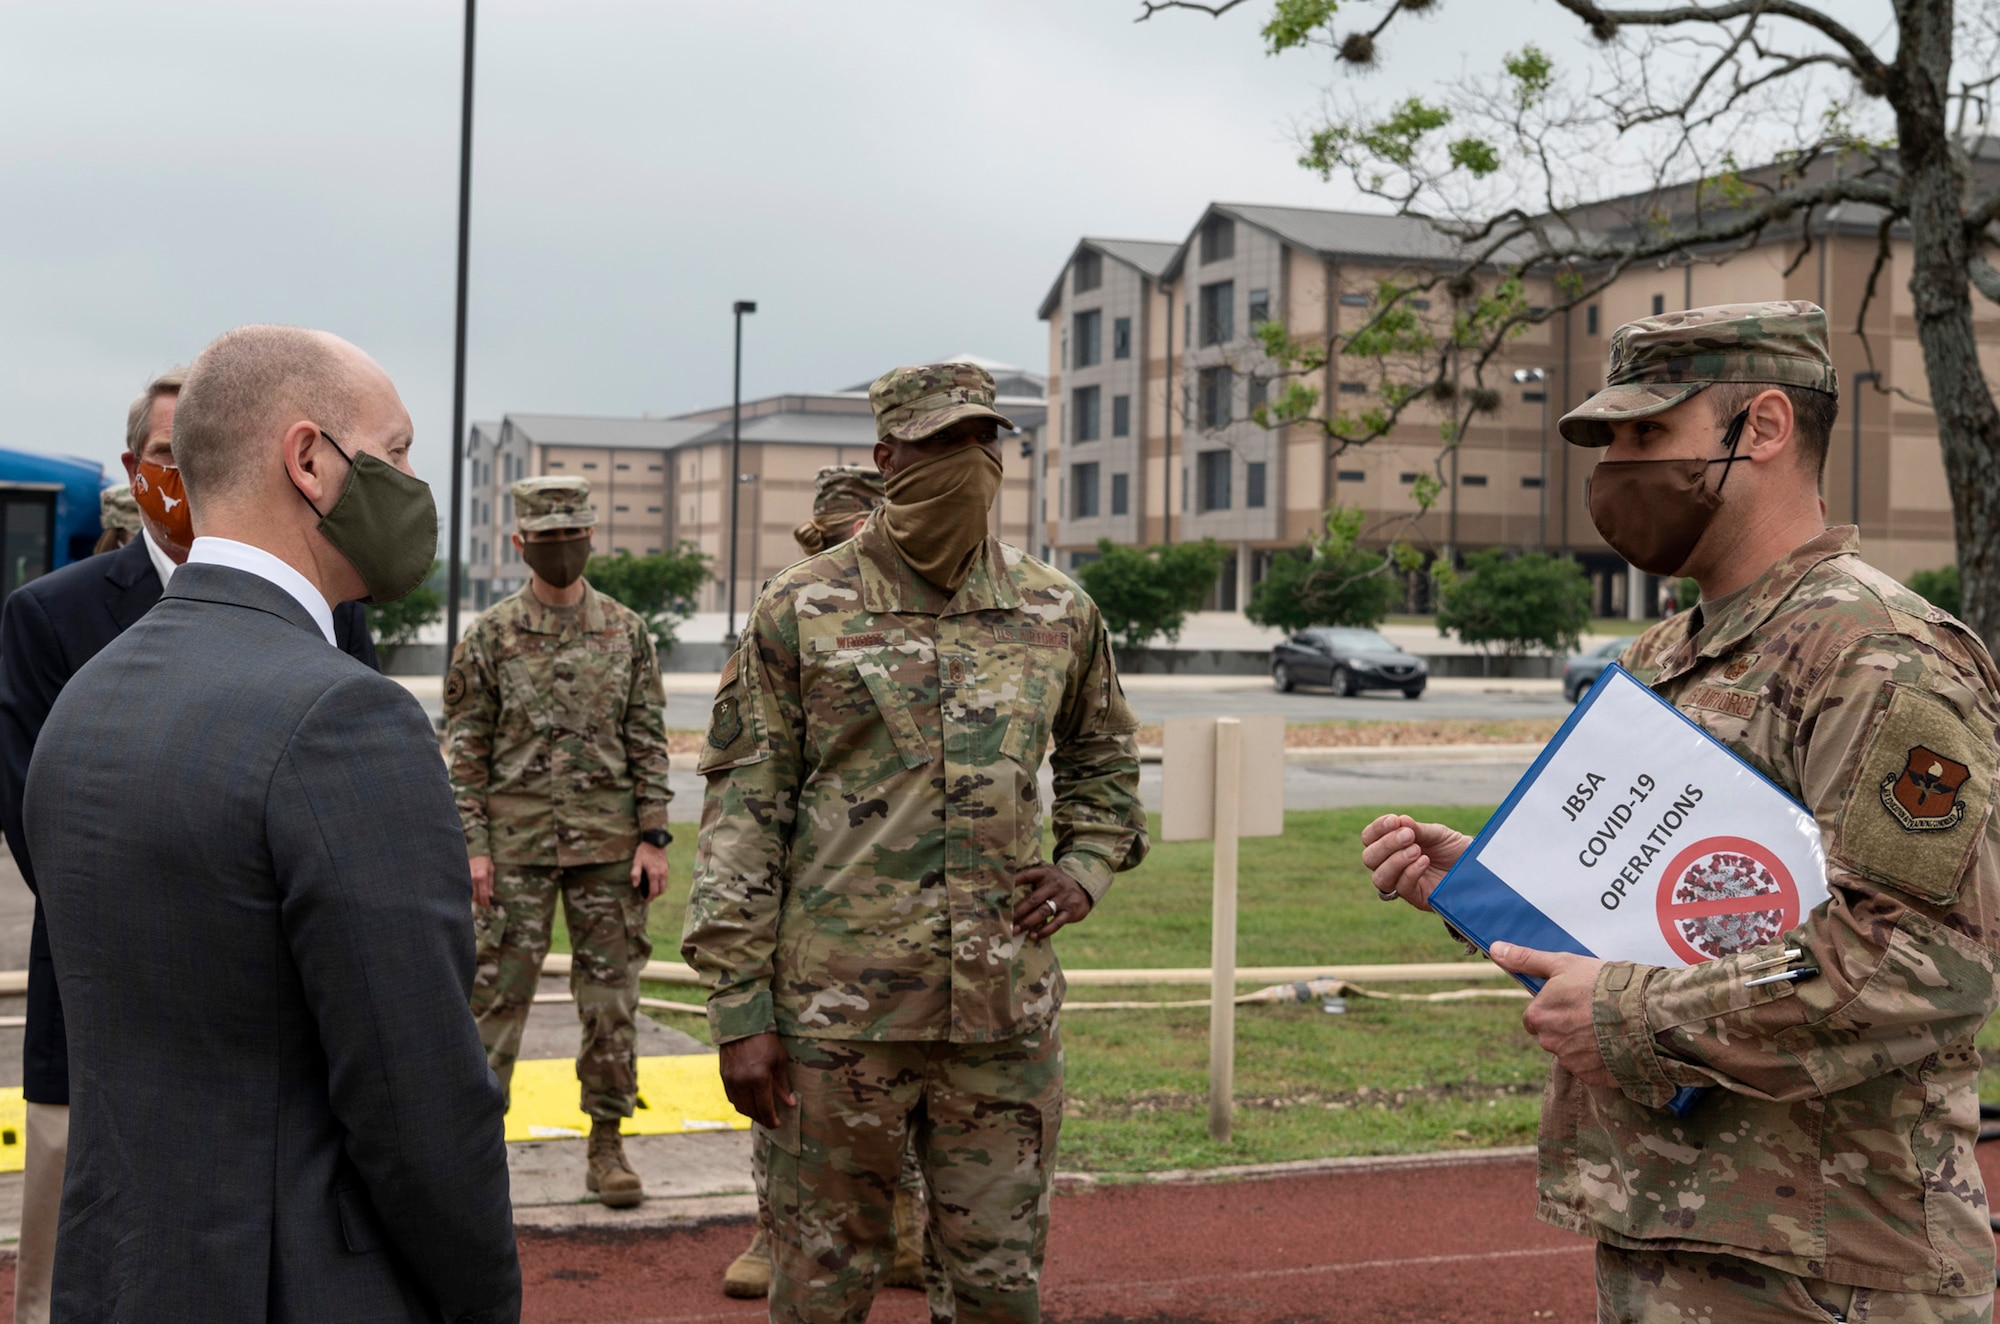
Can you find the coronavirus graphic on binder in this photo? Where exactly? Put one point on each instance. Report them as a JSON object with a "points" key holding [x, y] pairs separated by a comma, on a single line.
{"points": [[1637, 836]]}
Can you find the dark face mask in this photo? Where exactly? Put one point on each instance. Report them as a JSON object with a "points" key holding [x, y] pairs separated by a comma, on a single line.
{"points": [[1653, 512], [558, 563], [385, 523]]}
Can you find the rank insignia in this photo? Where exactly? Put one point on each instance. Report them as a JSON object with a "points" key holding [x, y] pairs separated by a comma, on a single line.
{"points": [[1923, 797], [724, 724], [1739, 667]]}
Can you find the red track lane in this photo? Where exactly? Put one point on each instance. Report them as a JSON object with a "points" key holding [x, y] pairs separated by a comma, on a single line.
{"points": [[1388, 1246]]}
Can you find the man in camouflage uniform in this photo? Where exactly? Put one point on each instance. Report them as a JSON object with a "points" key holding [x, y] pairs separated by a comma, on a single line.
{"points": [[870, 905], [559, 762], [843, 495], [118, 513], [1828, 1171]]}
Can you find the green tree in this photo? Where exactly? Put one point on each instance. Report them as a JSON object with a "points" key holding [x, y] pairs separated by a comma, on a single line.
{"points": [[1514, 605], [1884, 110], [660, 587], [1331, 580], [1686, 594], [393, 624], [1145, 593], [1938, 587]]}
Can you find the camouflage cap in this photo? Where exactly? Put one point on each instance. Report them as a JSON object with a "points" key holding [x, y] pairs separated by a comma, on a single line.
{"points": [[553, 503], [117, 508], [1657, 362], [846, 490], [912, 403]]}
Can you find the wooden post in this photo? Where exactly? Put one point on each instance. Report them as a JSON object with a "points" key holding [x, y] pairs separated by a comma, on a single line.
{"points": [[1222, 939]]}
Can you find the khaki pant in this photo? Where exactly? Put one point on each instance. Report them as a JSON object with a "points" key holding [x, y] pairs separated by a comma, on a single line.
{"points": [[985, 1117], [1682, 1287], [45, 1149]]}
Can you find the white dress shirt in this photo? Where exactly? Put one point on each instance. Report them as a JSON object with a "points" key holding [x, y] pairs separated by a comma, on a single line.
{"points": [[162, 563], [256, 561]]}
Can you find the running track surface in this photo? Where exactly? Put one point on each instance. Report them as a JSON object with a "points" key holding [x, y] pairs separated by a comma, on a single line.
{"points": [[1453, 1242]]}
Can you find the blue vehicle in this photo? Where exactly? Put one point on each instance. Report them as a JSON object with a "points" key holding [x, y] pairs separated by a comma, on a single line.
{"points": [[48, 514]]}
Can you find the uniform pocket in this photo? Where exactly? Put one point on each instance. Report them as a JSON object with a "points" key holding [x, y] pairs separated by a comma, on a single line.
{"points": [[357, 1221], [895, 714], [520, 693]]}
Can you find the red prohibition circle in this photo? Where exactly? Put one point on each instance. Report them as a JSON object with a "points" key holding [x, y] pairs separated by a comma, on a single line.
{"points": [[1781, 895]]}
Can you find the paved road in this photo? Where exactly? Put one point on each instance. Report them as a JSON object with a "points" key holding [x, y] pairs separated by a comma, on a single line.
{"points": [[1461, 700]]}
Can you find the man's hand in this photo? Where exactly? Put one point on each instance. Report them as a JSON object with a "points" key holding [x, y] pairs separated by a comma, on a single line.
{"points": [[482, 880], [1054, 899], [1560, 1017], [757, 1077], [649, 870], [1409, 859]]}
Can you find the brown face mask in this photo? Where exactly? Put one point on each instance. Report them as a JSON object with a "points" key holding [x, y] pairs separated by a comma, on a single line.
{"points": [[560, 563], [1653, 512], [936, 513]]}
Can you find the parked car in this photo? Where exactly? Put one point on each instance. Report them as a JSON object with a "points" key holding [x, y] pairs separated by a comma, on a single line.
{"points": [[1348, 660], [1582, 671]]}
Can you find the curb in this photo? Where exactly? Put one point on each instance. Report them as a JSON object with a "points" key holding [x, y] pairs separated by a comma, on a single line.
{"points": [[1390, 753], [1072, 1181], [655, 1215]]}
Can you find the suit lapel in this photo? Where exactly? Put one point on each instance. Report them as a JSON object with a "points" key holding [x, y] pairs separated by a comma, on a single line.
{"points": [[136, 585]]}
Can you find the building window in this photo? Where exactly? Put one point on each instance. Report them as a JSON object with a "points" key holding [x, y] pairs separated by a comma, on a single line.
{"points": [[1534, 397], [1259, 395], [1087, 272], [1218, 313], [1353, 301], [622, 466], [1421, 305], [1590, 320], [1531, 482], [1089, 350], [1083, 488], [1659, 304], [1406, 478], [1260, 307], [1121, 415], [1121, 338], [1212, 480], [1218, 239], [652, 468], [1217, 385], [1121, 493], [1253, 485], [622, 510], [555, 464], [1472, 480], [1083, 413], [1358, 475], [1354, 388], [590, 464]]}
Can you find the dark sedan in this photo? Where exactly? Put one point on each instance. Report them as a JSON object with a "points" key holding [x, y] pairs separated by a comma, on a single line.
{"points": [[1350, 661], [1582, 671]]}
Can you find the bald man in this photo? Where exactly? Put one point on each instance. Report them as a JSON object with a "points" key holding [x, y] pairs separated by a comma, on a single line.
{"points": [[258, 900]]}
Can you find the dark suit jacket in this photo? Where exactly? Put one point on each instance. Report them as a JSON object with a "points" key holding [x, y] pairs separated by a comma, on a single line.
{"points": [[260, 912], [50, 628]]}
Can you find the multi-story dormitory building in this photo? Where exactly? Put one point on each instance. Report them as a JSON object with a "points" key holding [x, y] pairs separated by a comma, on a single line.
{"points": [[1153, 374], [659, 481]]}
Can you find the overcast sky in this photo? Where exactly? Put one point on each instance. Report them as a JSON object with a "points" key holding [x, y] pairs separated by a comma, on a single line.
{"points": [[891, 180]]}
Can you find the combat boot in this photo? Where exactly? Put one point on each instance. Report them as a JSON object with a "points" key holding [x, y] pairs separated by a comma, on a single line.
{"points": [[610, 1176], [749, 1274], [907, 1269]]}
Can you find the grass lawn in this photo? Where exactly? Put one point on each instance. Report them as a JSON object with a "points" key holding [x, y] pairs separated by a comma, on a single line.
{"points": [[1385, 1077]]}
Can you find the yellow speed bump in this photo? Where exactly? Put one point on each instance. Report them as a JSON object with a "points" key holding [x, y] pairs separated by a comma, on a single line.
{"points": [[676, 1094]]}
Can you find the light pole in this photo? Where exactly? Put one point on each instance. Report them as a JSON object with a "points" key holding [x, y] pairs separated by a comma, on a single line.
{"points": [[1855, 474], [736, 462], [458, 439], [1540, 376]]}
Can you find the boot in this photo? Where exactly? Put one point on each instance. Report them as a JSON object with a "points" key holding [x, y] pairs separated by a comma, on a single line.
{"points": [[749, 1274], [610, 1176], [907, 1269]]}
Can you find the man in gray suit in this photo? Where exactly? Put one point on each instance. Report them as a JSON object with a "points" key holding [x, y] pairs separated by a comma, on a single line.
{"points": [[258, 901]]}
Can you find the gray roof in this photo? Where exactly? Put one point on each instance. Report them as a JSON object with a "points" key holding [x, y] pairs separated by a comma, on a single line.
{"points": [[1149, 257], [585, 430], [797, 429], [1332, 234]]}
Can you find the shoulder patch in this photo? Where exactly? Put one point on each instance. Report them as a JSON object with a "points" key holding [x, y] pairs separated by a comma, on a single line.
{"points": [[1915, 812], [729, 670], [454, 687], [725, 723]]}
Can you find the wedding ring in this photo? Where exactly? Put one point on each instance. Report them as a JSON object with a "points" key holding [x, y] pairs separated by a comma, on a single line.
{"points": [[1052, 908], [1380, 895]]}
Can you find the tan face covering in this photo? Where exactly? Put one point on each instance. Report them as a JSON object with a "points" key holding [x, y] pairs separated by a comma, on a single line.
{"points": [[936, 513]]}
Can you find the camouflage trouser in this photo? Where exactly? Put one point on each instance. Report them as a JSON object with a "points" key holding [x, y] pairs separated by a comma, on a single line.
{"points": [[606, 916], [937, 1285], [985, 1118], [1683, 1287]]}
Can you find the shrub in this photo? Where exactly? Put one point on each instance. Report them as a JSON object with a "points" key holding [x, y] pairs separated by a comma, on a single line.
{"points": [[1514, 606], [1938, 587], [660, 587], [393, 624], [1145, 593]]}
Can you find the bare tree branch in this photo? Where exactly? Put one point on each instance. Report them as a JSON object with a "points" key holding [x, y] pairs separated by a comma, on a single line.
{"points": [[1605, 22], [1151, 7]]}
